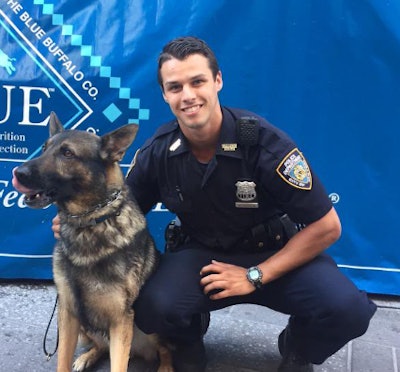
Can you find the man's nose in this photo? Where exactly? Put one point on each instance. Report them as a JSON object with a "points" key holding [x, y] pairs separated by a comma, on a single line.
{"points": [[188, 93]]}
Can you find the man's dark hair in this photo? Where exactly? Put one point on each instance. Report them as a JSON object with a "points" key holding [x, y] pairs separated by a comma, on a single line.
{"points": [[183, 47]]}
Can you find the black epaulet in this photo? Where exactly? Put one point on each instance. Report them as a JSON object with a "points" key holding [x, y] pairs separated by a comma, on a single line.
{"points": [[160, 132]]}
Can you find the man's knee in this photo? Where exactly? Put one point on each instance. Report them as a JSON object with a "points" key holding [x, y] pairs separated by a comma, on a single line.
{"points": [[152, 311], [356, 313], [349, 314], [336, 321]]}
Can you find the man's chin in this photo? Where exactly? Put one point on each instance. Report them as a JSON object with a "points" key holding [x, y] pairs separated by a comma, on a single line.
{"points": [[194, 124]]}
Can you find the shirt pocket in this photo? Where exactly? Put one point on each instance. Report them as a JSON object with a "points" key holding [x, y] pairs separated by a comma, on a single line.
{"points": [[175, 201]]}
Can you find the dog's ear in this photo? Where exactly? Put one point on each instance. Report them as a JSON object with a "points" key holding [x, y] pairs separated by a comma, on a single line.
{"points": [[55, 125], [115, 143]]}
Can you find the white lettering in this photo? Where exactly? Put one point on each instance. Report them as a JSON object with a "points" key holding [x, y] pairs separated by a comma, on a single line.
{"points": [[11, 136], [92, 91], [8, 198], [79, 76], [8, 89], [15, 6], [32, 26], [159, 207], [27, 93], [13, 149], [27, 105]]}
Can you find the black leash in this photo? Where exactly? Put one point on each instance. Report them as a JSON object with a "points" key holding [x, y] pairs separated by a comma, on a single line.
{"points": [[49, 355]]}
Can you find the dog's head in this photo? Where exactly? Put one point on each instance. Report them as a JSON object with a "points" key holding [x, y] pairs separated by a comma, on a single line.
{"points": [[74, 164]]}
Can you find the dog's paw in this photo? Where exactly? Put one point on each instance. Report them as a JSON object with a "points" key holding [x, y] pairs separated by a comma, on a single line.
{"points": [[86, 360], [81, 363]]}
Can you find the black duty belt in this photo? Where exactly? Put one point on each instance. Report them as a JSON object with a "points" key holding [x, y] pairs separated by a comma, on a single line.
{"points": [[270, 235]]}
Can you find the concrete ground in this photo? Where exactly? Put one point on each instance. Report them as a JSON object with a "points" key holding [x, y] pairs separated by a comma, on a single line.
{"points": [[242, 338]]}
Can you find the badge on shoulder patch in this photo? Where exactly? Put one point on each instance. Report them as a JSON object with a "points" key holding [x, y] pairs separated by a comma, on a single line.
{"points": [[294, 170]]}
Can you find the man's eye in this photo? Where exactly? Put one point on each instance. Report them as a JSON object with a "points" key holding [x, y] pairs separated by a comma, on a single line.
{"points": [[174, 88]]}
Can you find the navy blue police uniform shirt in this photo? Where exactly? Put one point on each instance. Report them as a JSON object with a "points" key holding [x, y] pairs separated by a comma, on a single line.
{"points": [[219, 202]]}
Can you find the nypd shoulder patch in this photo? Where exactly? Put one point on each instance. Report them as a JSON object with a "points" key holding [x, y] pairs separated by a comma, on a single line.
{"points": [[294, 170]]}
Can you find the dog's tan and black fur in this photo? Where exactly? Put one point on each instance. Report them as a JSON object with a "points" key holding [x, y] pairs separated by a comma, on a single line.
{"points": [[105, 253]]}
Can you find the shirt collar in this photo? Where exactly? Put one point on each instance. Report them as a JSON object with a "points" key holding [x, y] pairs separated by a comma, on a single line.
{"points": [[178, 144], [227, 143]]}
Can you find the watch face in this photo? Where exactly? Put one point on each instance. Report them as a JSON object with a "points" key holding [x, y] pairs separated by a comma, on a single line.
{"points": [[254, 274]]}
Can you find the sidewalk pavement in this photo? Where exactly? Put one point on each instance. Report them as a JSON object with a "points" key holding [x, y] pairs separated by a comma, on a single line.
{"points": [[242, 338]]}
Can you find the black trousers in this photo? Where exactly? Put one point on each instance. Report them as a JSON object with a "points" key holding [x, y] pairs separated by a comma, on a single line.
{"points": [[326, 308]]}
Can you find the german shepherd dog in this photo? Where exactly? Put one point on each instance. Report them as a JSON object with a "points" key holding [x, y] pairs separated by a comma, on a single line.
{"points": [[105, 252]]}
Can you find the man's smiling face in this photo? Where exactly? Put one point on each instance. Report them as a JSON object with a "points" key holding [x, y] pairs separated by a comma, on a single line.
{"points": [[191, 91]]}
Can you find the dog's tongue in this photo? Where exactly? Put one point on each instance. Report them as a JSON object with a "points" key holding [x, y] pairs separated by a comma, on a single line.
{"points": [[18, 186], [32, 198]]}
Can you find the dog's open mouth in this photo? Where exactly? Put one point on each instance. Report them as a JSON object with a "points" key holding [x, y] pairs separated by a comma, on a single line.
{"points": [[38, 199], [33, 198]]}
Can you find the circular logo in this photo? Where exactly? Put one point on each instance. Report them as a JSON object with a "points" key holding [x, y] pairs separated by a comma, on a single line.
{"points": [[334, 198], [92, 130]]}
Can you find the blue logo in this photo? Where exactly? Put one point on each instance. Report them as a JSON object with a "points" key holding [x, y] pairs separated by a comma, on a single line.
{"points": [[51, 68]]}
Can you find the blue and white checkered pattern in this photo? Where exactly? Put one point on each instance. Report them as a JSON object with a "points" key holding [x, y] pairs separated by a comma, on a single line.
{"points": [[112, 112]]}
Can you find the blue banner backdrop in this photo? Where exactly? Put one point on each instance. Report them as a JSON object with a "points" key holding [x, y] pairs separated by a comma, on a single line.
{"points": [[326, 72]]}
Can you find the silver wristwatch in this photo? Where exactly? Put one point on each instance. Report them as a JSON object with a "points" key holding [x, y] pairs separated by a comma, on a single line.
{"points": [[254, 276]]}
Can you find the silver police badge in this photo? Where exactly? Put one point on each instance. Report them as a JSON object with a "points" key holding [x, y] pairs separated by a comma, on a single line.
{"points": [[246, 194]]}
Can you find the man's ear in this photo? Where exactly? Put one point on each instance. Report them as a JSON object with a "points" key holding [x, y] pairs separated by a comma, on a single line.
{"points": [[115, 143], [219, 80]]}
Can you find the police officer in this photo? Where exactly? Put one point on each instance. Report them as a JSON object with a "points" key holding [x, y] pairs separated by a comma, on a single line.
{"points": [[255, 222]]}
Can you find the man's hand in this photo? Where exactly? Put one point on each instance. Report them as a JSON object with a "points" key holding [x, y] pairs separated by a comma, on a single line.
{"points": [[56, 227], [228, 280]]}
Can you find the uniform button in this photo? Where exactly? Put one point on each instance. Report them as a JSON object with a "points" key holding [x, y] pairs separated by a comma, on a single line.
{"points": [[260, 244], [278, 237]]}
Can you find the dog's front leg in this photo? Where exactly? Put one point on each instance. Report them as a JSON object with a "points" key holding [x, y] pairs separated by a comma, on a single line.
{"points": [[121, 335], [68, 337]]}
